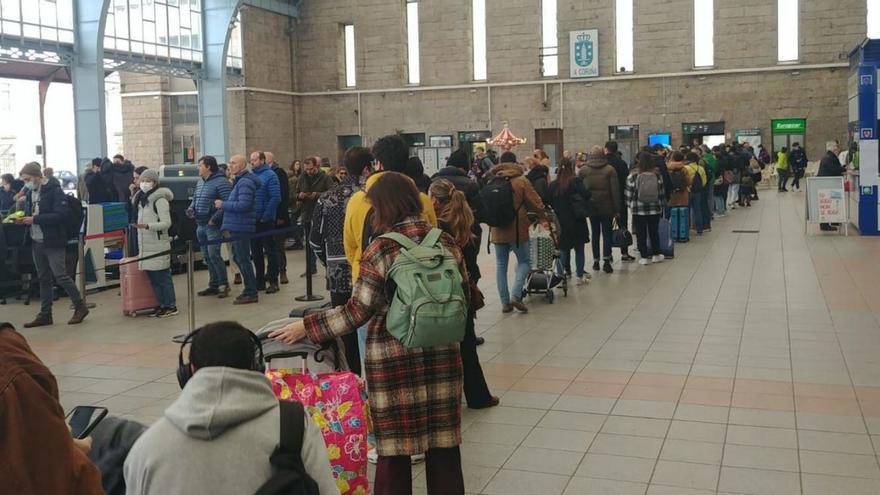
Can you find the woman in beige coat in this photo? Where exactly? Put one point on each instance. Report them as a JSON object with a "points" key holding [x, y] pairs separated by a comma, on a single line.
{"points": [[601, 180]]}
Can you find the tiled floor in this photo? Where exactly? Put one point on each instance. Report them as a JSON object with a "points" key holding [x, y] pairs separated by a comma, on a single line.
{"points": [[748, 365]]}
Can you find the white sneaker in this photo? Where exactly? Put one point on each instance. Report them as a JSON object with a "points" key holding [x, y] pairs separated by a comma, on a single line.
{"points": [[583, 280], [372, 456], [644, 261], [659, 258], [418, 458]]}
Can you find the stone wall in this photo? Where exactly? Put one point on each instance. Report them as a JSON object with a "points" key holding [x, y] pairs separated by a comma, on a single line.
{"points": [[146, 120]]}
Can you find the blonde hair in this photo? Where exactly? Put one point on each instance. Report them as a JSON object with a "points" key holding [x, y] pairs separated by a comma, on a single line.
{"points": [[455, 215]]}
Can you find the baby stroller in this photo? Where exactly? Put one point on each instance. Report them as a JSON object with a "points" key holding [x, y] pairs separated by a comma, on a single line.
{"points": [[543, 258]]}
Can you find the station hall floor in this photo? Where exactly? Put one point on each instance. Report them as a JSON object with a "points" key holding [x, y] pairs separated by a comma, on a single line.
{"points": [[750, 364]]}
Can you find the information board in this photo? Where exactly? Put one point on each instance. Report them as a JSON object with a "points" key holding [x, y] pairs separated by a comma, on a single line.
{"points": [[826, 200]]}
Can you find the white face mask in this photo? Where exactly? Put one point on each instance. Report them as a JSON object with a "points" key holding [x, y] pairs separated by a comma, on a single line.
{"points": [[147, 187]]}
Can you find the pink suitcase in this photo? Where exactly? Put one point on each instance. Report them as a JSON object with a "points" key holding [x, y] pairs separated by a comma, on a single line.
{"points": [[137, 293]]}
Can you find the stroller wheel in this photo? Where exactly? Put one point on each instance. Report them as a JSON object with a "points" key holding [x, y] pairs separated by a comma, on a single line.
{"points": [[551, 296], [565, 288]]}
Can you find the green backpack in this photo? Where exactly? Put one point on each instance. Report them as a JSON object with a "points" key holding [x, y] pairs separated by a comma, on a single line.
{"points": [[428, 307]]}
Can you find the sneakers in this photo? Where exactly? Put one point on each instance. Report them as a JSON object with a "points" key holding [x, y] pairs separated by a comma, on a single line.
{"points": [[583, 280], [505, 308], [627, 257], [40, 321], [645, 261], [659, 258], [210, 291], [164, 313], [417, 459], [223, 292], [273, 288], [519, 306], [606, 267], [284, 279], [595, 266], [243, 299], [78, 315]]}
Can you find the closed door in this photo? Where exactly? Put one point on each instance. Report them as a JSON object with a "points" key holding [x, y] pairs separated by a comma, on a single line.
{"points": [[550, 140]]}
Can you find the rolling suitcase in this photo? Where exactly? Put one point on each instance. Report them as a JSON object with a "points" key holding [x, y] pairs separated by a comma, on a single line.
{"points": [[137, 293], [667, 245], [679, 220]]}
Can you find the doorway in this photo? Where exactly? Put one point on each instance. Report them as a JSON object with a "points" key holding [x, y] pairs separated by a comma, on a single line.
{"points": [[787, 132], [343, 143], [627, 138], [550, 140], [474, 142], [697, 133]]}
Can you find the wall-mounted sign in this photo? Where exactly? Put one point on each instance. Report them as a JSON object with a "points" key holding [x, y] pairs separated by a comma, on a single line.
{"points": [[584, 53], [789, 126], [704, 128]]}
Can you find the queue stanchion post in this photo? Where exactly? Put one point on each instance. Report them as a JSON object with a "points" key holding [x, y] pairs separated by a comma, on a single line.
{"points": [[309, 296], [81, 269], [190, 286]]}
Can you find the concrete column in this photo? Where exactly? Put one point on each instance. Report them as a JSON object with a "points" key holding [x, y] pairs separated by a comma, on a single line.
{"points": [[87, 76], [211, 82]]}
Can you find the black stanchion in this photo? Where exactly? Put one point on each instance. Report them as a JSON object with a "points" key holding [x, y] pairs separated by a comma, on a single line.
{"points": [[309, 297]]}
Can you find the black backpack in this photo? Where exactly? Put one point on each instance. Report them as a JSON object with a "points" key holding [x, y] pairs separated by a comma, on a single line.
{"points": [[73, 216], [289, 476], [497, 198], [697, 182], [172, 231]]}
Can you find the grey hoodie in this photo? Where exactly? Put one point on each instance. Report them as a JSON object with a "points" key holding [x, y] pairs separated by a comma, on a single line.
{"points": [[216, 438]]}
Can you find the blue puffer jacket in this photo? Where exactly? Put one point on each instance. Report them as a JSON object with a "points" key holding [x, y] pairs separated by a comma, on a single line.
{"points": [[239, 213], [207, 190], [268, 195]]}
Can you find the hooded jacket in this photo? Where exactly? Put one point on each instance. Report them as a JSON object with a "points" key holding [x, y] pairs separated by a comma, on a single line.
{"points": [[679, 198], [526, 200], [217, 437], [51, 216], [538, 178], [239, 210], [154, 211], [601, 180], [38, 455]]}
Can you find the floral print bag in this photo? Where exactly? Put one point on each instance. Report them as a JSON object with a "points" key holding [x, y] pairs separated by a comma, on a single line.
{"points": [[337, 402]]}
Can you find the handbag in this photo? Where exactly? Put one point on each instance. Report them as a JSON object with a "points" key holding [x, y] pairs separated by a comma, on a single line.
{"points": [[620, 237], [478, 300]]}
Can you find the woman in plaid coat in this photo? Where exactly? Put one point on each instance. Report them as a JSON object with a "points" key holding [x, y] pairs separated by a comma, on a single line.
{"points": [[415, 393], [646, 211]]}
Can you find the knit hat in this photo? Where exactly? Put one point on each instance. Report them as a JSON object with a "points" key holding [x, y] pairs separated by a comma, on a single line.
{"points": [[33, 169], [150, 174]]}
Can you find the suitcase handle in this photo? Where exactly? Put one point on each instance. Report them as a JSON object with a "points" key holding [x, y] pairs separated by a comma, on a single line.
{"points": [[286, 354], [317, 357]]}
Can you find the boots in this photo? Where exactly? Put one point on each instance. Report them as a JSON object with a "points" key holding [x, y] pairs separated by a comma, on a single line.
{"points": [[79, 315], [237, 280], [40, 321], [284, 277]]}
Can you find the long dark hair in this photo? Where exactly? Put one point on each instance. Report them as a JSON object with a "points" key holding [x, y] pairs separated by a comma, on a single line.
{"points": [[454, 215], [564, 176], [645, 162], [394, 197]]}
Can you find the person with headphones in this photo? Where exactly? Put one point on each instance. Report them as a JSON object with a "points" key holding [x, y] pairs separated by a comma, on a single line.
{"points": [[218, 436]]}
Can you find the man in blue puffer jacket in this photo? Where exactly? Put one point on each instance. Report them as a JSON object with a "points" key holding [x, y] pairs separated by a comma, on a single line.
{"points": [[239, 219], [212, 186], [265, 249]]}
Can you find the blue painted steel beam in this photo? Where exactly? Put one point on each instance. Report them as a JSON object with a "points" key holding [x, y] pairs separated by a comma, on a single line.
{"points": [[289, 8], [87, 76], [217, 17]]}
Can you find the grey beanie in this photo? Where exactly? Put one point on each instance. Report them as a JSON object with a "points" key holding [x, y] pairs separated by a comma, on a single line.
{"points": [[150, 174], [33, 169]]}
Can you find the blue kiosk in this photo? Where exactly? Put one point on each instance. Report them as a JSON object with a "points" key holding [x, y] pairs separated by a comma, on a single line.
{"points": [[863, 154]]}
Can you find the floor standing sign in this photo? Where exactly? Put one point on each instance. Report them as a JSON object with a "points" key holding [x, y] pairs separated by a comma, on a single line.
{"points": [[826, 202]]}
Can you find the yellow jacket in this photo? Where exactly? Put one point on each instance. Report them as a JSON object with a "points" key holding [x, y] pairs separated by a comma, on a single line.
{"points": [[355, 215], [694, 169]]}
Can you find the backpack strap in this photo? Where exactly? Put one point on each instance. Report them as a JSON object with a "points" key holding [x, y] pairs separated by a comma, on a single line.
{"points": [[432, 238], [404, 241], [286, 460], [293, 418]]}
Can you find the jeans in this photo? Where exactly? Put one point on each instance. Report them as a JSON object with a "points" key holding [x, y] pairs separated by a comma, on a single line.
{"points": [[647, 227], [796, 182], [783, 178], [163, 287], [213, 259], [241, 254], [50, 263], [696, 206], [280, 242], [710, 201], [733, 194], [705, 199], [720, 204], [265, 250], [502, 258], [601, 226], [564, 261]]}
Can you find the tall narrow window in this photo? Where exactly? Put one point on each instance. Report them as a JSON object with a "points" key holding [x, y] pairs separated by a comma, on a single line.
{"points": [[350, 74], [623, 26], [787, 22], [479, 15], [549, 40], [874, 19], [704, 33], [412, 41]]}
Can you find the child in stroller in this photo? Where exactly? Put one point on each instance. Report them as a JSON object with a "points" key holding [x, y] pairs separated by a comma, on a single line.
{"points": [[544, 258]]}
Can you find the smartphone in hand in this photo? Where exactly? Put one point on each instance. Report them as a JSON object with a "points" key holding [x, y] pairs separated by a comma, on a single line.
{"points": [[83, 419]]}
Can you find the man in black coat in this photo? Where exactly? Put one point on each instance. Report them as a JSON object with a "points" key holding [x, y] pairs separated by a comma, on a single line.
{"points": [[830, 167], [282, 217], [46, 213], [456, 171], [622, 169], [96, 185]]}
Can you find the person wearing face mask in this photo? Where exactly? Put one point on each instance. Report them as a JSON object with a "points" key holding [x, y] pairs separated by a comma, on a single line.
{"points": [[46, 213], [153, 222]]}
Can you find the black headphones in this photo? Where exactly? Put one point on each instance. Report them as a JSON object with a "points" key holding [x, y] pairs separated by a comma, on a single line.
{"points": [[184, 371]]}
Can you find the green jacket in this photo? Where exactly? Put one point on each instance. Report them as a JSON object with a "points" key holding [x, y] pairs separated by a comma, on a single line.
{"points": [[710, 163]]}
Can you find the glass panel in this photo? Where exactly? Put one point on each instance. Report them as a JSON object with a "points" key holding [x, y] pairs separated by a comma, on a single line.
{"points": [[412, 35], [479, 34], [787, 41], [874, 19], [121, 22], [149, 10], [30, 12], [31, 31], [549, 41], [704, 35], [624, 35], [162, 27], [48, 13], [350, 74], [65, 14], [11, 11], [11, 28], [150, 32], [174, 26], [65, 36], [50, 34]]}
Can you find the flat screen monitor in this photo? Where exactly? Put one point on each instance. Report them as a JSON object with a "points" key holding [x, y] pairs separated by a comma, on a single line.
{"points": [[663, 138]]}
